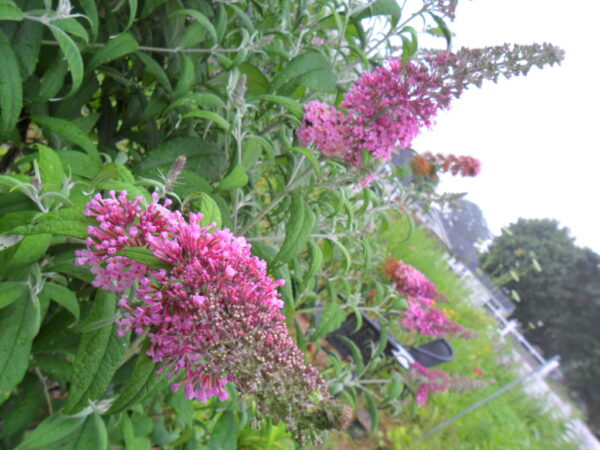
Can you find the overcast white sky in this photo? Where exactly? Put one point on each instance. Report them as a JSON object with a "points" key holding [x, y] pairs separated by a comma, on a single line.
{"points": [[536, 136]]}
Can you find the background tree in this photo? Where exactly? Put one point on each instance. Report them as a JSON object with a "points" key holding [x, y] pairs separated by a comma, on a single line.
{"points": [[560, 304]]}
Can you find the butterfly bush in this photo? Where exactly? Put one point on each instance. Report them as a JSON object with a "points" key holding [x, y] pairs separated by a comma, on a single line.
{"points": [[421, 315], [382, 110], [427, 381], [212, 313]]}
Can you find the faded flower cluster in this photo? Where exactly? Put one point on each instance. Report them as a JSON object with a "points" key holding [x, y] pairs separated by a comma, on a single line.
{"points": [[212, 315], [430, 165]]}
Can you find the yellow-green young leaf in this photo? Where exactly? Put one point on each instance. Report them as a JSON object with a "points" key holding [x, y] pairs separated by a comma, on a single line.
{"points": [[394, 388], [11, 89], [98, 356], [63, 296], [142, 381], [200, 18], [210, 210], [69, 132], [345, 253], [209, 115], [290, 104], [51, 169], [51, 430], [71, 54], [237, 178], [11, 291], [145, 256], [116, 48], [18, 326], [10, 11]]}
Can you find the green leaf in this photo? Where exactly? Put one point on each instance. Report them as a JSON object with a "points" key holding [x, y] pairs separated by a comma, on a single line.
{"points": [[205, 158], [205, 99], [11, 291], [91, 435], [91, 13], [155, 69], [69, 132], [71, 26], [18, 326], [201, 19], [379, 8], [142, 381], [290, 104], [63, 222], [373, 412], [30, 249], [10, 11], [256, 82], [394, 388], [80, 163], [145, 256], [444, 28], [116, 48], [237, 178], [15, 219], [51, 169], [113, 171], [297, 230], [186, 77], [210, 210], [224, 436], [11, 89], [63, 296], [22, 408], [316, 261], [209, 115], [312, 70], [71, 54], [51, 430], [310, 156], [98, 357], [133, 6], [53, 80], [356, 354], [332, 318], [345, 253]]}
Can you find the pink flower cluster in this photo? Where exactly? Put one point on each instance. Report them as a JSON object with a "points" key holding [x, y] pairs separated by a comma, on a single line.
{"points": [[212, 317], [421, 315], [436, 380], [429, 321], [384, 109], [466, 166], [409, 281]]}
